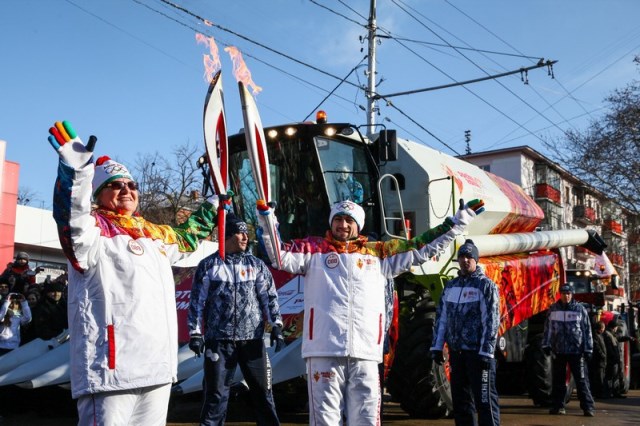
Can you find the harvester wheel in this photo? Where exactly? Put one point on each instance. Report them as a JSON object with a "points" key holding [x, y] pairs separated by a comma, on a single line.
{"points": [[411, 380], [539, 381]]}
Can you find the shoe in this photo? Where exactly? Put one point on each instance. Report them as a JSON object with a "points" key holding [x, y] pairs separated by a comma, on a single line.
{"points": [[559, 411], [589, 413]]}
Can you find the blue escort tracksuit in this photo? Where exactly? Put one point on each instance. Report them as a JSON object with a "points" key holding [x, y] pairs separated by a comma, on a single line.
{"points": [[230, 301], [567, 332], [467, 319]]}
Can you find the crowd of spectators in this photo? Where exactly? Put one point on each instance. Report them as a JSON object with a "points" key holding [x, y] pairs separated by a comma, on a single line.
{"points": [[30, 309]]}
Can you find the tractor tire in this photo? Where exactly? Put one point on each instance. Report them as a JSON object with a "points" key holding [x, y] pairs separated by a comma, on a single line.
{"points": [[421, 388], [539, 380]]}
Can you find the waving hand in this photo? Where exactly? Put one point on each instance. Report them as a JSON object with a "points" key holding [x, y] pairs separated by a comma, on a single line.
{"points": [[69, 146]]}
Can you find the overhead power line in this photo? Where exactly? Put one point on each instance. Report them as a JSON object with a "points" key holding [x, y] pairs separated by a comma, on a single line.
{"points": [[252, 41], [523, 70], [248, 55]]}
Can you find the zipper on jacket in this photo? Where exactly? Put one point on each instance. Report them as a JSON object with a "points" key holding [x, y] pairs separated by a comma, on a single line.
{"points": [[348, 264], [235, 299], [311, 324]]}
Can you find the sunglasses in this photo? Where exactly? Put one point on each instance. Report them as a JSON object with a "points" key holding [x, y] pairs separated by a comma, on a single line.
{"points": [[119, 185]]}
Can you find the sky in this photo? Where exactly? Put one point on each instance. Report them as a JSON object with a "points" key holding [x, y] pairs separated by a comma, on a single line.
{"points": [[131, 72]]}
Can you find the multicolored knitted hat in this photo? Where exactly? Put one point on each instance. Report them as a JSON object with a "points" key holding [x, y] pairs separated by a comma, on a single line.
{"points": [[106, 171]]}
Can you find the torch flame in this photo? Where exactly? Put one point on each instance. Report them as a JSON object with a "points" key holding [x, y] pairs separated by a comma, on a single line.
{"points": [[240, 70], [211, 61]]}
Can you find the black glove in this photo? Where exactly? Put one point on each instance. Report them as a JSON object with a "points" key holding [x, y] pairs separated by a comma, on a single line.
{"points": [[277, 337], [547, 351], [437, 357], [196, 344], [485, 362], [587, 356]]}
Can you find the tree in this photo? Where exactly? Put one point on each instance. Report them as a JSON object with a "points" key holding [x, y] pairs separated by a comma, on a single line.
{"points": [[607, 154], [26, 196], [169, 186]]}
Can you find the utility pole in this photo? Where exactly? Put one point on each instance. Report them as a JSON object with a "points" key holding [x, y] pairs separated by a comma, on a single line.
{"points": [[467, 139], [372, 109]]}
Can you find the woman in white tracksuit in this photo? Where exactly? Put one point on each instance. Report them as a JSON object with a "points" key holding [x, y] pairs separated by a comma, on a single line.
{"points": [[344, 306], [121, 294]]}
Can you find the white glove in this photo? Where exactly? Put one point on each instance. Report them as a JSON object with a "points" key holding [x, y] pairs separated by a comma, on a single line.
{"points": [[467, 212], [69, 146]]}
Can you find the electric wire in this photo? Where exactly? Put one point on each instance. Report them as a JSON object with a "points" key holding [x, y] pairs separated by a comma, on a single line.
{"points": [[473, 49], [337, 13], [249, 55], [568, 93], [531, 86], [126, 32], [252, 41], [335, 88], [397, 2], [389, 103]]}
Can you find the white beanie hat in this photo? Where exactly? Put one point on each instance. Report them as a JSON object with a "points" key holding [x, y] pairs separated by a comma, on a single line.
{"points": [[348, 208], [106, 171]]}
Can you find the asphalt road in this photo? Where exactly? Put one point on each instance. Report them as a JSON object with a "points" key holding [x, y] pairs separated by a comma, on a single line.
{"points": [[514, 410], [54, 408]]}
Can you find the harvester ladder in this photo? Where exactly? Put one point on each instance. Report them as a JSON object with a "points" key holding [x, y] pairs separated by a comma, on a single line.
{"points": [[383, 212]]}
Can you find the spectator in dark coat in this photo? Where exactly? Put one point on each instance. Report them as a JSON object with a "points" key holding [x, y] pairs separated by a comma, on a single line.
{"points": [[50, 314], [598, 364], [20, 274]]}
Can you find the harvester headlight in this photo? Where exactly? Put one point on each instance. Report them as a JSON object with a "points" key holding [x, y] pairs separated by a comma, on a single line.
{"points": [[290, 131], [273, 133], [330, 131]]}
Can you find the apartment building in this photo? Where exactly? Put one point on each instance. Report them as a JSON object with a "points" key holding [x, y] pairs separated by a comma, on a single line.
{"points": [[570, 203]]}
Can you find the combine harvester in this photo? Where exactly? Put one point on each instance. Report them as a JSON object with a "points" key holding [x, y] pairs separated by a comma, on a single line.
{"points": [[405, 188]]}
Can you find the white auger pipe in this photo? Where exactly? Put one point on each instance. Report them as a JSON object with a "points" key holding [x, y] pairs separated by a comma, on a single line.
{"points": [[497, 244]]}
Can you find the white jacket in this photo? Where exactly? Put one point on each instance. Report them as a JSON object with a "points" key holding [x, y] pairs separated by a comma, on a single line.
{"points": [[121, 294], [344, 294], [10, 334]]}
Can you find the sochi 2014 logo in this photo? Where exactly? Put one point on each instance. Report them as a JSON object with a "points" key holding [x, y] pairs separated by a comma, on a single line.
{"points": [[332, 260]]}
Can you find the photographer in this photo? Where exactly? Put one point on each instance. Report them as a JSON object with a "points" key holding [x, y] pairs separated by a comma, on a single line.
{"points": [[14, 313], [19, 274]]}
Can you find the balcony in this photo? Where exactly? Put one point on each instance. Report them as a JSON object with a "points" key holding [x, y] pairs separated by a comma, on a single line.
{"points": [[613, 226], [584, 214], [544, 190], [617, 259]]}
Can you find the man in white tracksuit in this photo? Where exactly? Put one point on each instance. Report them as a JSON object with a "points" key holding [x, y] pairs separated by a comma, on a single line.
{"points": [[344, 305], [121, 294]]}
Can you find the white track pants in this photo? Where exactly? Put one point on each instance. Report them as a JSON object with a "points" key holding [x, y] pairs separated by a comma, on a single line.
{"points": [[144, 406], [341, 385]]}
